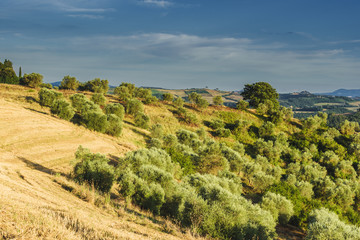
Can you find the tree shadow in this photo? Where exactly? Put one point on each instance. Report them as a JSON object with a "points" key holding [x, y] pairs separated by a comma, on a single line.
{"points": [[40, 167], [37, 111], [140, 133], [114, 160]]}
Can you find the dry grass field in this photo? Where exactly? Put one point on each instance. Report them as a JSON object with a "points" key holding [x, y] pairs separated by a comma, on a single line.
{"points": [[36, 151]]}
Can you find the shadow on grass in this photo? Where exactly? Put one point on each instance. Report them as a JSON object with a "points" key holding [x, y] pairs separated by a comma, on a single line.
{"points": [[37, 111], [40, 167]]}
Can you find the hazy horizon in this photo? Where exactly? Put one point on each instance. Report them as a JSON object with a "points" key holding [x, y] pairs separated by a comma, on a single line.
{"points": [[295, 46]]}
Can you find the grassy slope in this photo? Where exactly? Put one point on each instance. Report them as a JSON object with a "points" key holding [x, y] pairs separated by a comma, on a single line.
{"points": [[34, 146]]}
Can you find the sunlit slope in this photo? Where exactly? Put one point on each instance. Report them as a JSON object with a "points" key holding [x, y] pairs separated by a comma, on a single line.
{"points": [[33, 147]]}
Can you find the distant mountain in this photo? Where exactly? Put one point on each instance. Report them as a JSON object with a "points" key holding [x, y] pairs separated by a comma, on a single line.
{"points": [[344, 93], [56, 84]]}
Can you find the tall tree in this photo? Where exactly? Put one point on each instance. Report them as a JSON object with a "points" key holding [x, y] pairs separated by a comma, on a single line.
{"points": [[259, 92]]}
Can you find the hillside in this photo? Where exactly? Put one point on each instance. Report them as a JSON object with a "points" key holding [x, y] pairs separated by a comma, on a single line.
{"points": [[36, 150], [175, 169]]}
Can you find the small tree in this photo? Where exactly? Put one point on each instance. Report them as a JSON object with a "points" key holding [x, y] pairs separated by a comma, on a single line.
{"points": [[242, 105], [123, 92], [114, 127], [178, 102], [280, 207], [47, 97], [133, 106], [142, 120], [69, 82], [168, 97], [115, 108], [96, 121], [157, 131], [32, 80], [63, 109], [93, 169], [99, 99], [217, 100], [97, 85]]}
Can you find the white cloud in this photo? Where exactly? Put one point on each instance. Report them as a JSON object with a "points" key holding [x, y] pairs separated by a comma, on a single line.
{"points": [[88, 16], [157, 3]]}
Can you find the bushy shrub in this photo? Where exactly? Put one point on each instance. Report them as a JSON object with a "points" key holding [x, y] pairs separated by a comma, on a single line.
{"points": [[32, 80], [69, 82], [153, 156], [169, 141], [115, 108], [178, 102], [99, 99], [97, 85], [133, 106], [46, 85], [326, 225], [280, 207], [157, 130], [114, 125], [47, 97], [96, 121], [63, 109], [154, 142], [142, 120], [83, 105], [216, 124], [123, 92], [242, 105], [217, 100], [222, 132], [185, 136], [93, 169], [168, 97], [266, 130]]}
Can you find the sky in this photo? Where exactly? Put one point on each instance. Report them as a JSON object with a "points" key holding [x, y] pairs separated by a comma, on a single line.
{"points": [[294, 45]]}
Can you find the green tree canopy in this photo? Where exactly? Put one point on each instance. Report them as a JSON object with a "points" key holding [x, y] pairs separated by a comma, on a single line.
{"points": [[69, 82], [259, 92], [32, 80]]}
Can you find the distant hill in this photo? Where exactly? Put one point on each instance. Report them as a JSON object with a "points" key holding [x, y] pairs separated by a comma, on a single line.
{"points": [[344, 93]]}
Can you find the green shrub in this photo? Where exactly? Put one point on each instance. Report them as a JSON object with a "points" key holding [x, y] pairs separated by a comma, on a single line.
{"points": [[96, 85], [69, 82], [63, 109], [99, 99], [216, 124], [83, 105], [93, 169], [168, 97], [46, 85], [242, 105], [115, 108], [280, 207], [217, 100], [142, 120], [32, 80], [157, 131], [222, 132], [47, 97], [96, 121], [178, 102], [123, 92], [153, 156], [133, 106], [114, 125], [154, 142], [169, 141], [185, 136], [326, 225]]}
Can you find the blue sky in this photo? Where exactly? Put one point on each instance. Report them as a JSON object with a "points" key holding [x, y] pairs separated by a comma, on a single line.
{"points": [[292, 44]]}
